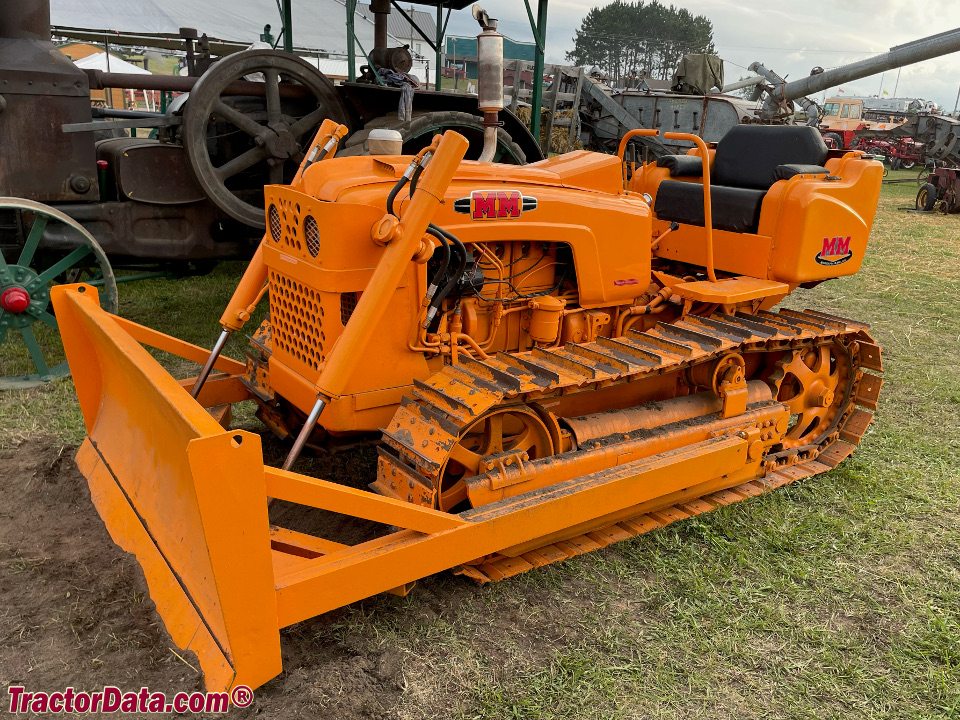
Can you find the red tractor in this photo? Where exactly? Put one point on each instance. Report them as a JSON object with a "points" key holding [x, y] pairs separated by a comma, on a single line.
{"points": [[905, 153]]}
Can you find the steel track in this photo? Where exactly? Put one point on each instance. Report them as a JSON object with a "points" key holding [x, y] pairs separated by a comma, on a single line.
{"points": [[427, 425]]}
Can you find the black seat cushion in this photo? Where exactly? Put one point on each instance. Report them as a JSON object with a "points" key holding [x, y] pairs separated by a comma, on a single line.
{"points": [[687, 165], [785, 172], [748, 155], [733, 209]]}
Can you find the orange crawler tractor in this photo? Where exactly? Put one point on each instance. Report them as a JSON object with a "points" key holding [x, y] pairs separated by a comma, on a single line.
{"points": [[557, 356]]}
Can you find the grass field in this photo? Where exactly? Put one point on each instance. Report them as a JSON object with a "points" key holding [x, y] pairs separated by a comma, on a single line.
{"points": [[835, 597]]}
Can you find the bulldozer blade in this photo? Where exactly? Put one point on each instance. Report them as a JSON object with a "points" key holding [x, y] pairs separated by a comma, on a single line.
{"points": [[190, 500], [169, 483]]}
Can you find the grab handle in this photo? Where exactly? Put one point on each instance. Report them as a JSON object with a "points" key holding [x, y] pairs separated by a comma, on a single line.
{"points": [[705, 160]]}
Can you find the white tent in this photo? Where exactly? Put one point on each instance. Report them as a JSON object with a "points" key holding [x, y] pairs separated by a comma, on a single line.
{"points": [[98, 61]]}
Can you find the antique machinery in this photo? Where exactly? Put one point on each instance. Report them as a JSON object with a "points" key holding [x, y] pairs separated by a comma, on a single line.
{"points": [[193, 194], [711, 116], [941, 191], [550, 357]]}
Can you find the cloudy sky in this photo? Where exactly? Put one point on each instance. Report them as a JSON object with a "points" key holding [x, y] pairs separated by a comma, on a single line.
{"points": [[788, 36]]}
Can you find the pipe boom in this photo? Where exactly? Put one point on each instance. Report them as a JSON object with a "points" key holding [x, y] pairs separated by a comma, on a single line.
{"points": [[899, 56]]}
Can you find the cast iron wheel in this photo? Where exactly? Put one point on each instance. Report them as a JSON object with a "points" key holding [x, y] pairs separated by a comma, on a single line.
{"points": [[506, 430], [276, 138], [927, 197], [25, 294]]}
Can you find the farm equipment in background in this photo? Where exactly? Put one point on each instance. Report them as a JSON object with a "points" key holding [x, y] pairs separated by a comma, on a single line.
{"points": [[941, 191], [607, 116], [841, 118], [552, 359], [183, 200], [900, 152], [939, 138], [937, 134]]}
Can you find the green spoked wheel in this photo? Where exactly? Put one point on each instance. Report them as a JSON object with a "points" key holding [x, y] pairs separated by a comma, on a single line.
{"points": [[30, 348]]}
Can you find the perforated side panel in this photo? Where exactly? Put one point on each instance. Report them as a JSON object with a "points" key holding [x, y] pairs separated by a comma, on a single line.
{"points": [[286, 227], [296, 313]]}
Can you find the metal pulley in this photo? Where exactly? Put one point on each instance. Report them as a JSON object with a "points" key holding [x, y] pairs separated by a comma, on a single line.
{"points": [[397, 59]]}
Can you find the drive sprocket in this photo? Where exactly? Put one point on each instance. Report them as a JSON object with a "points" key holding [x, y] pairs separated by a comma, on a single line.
{"points": [[812, 382]]}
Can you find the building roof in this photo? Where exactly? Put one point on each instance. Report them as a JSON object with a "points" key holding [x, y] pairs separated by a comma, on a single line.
{"points": [[399, 26], [317, 24], [466, 46]]}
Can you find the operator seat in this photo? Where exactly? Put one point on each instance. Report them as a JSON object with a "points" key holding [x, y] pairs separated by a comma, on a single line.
{"points": [[749, 159]]}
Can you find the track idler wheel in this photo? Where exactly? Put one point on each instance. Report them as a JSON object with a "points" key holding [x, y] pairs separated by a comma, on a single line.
{"points": [[503, 437]]}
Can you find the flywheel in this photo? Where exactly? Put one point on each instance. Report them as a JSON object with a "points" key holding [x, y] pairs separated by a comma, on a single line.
{"points": [[256, 142]]}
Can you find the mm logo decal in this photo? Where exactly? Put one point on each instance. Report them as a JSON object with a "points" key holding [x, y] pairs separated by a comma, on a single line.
{"points": [[836, 251], [495, 204]]}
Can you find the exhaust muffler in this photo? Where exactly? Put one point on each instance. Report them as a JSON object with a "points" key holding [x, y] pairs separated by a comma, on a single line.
{"points": [[489, 80]]}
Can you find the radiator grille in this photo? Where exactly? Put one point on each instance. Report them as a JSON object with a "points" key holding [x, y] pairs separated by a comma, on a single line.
{"points": [[297, 317], [311, 231], [348, 303], [276, 227]]}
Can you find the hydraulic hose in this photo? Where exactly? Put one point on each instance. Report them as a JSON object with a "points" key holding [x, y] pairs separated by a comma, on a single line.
{"points": [[411, 175], [405, 178], [455, 278], [415, 178], [445, 263]]}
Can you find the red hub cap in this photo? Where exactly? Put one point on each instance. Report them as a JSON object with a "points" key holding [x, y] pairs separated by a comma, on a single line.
{"points": [[15, 300]]}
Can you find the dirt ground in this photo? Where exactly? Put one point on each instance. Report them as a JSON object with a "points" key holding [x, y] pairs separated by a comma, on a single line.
{"points": [[74, 611]]}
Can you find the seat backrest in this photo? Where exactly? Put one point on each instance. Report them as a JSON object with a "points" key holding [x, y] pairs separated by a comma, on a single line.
{"points": [[748, 155]]}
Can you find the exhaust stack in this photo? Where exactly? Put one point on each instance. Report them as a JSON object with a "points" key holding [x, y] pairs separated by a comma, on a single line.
{"points": [[489, 80]]}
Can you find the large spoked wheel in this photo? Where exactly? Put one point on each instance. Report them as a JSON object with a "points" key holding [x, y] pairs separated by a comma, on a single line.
{"points": [[811, 382], [36, 356], [497, 436], [267, 144]]}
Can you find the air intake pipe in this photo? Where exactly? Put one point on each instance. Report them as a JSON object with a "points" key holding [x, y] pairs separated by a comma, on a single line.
{"points": [[489, 80]]}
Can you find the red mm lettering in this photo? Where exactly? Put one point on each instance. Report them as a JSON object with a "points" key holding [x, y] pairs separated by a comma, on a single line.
{"points": [[509, 204], [835, 246], [484, 206]]}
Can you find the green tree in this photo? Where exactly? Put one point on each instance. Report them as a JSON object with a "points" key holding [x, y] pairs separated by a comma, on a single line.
{"points": [[625, 38]]}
